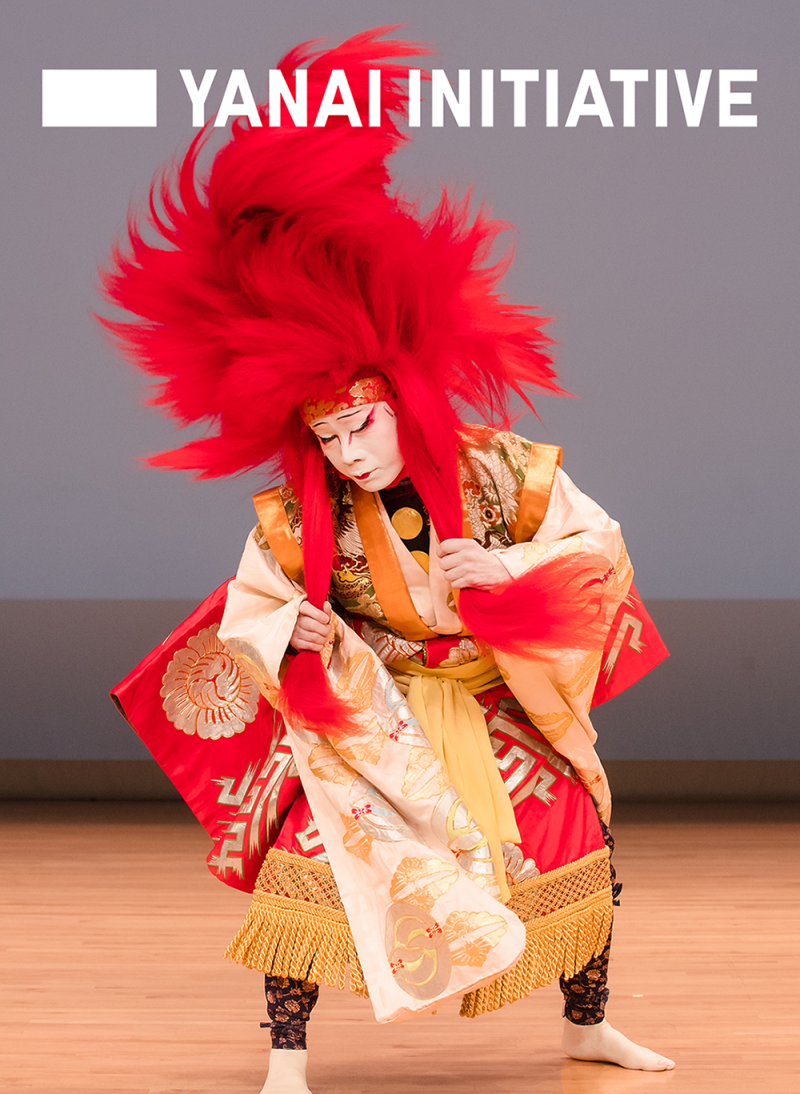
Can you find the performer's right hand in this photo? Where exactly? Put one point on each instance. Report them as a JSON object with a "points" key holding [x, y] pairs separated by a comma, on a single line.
{"points": [[312, 627]]}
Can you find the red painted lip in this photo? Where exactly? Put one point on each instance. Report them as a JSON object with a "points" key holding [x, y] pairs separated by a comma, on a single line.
{"points": [[358, 478]]}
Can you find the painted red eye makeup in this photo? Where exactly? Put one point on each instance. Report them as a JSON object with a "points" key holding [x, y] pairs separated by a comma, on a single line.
{"points": [[359, 429]]}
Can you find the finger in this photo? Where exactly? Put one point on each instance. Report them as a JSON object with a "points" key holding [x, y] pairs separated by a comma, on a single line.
{"points": [[302, 644], [448, 546], [452, 553], [312, 628], [309, 611], [311, 631], [452, 563], [468, 579]]}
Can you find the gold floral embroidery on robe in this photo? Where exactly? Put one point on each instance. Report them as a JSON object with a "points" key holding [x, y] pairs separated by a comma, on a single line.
{"points": [[328, 766], [422, 881], [583, 676], [425, 776], [554, 725], [355, 839], [471, 935]]}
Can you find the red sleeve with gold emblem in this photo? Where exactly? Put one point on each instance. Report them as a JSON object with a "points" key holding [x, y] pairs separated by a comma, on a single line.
{"points": [[218, 740]]}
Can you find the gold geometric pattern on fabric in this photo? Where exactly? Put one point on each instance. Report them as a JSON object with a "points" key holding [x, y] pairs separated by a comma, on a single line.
{"points": [[567, 915], [623, 567], [204, 690], [407, 522]]}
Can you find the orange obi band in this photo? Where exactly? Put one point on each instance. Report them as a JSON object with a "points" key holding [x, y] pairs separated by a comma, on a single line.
{"points": [[369, 389]]}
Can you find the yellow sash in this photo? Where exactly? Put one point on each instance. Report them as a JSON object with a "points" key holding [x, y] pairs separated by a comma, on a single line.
{"points": [[443, 700]]}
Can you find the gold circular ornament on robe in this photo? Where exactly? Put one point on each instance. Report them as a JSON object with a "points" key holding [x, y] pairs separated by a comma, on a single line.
{"points": [[423, 558], [417, 951], [204, 690], [407, 522]]}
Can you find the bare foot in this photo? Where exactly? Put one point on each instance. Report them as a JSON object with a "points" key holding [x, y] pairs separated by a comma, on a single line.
{"points": [[287, 1072], [603, 1042]]}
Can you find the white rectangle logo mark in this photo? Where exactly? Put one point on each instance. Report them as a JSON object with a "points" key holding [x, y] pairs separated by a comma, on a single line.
{"points": [[111, 97]]}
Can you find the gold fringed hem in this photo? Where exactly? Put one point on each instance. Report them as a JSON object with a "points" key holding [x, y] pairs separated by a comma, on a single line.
{"points": [[558, 943], [290, 938], [294, 928]]}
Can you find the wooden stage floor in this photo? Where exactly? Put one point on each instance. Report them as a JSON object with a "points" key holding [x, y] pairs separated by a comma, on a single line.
{"points": [[113, 980]]}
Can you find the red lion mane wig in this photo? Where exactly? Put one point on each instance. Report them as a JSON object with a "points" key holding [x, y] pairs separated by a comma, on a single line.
{"points": [[287, 268]]}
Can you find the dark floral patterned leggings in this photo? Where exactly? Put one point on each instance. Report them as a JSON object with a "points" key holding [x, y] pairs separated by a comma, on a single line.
{"points": [[290, 1002], [289, 1006], [586, 993]]}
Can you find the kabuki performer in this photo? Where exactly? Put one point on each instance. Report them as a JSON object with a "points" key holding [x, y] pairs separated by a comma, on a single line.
{"points": [[383, 720]]}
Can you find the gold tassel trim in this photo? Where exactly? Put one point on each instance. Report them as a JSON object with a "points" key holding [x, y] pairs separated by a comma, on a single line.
{"points": [[291, 938], [559, 942], [296, 925]]}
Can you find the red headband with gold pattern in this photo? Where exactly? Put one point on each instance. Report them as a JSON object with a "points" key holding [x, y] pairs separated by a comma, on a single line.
{"points": [[369, 389]]}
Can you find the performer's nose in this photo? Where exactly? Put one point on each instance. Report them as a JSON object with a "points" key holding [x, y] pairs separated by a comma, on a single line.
{"points": [[351, 451]]}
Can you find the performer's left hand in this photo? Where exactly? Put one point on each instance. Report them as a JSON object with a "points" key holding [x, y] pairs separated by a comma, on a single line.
{"points": [[467, 565]]}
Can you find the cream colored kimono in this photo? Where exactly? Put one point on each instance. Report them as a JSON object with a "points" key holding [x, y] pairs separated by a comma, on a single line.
{"points": [[410, 863]]}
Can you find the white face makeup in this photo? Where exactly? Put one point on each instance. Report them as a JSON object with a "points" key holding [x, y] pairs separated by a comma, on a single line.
{"points": [[361, 443]]}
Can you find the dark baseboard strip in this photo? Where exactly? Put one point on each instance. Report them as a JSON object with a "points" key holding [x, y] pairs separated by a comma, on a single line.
{"points": [[85, 780], [631, 780], [704, 780]]}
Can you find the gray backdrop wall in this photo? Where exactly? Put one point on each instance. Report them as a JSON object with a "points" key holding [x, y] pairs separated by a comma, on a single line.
{"points": [[668, 256]]}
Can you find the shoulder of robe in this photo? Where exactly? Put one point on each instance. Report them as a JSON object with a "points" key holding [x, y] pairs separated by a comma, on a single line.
{"points": [[513, 472], [540, 473], [494, 450], [279, 527], [499, 453]]}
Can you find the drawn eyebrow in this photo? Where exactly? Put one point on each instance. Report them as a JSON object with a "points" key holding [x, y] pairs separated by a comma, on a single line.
{"points": [[316, 426]]}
